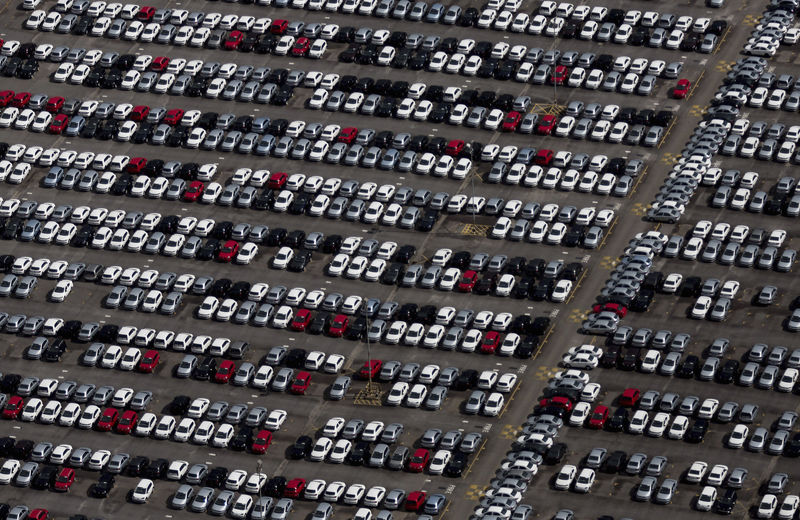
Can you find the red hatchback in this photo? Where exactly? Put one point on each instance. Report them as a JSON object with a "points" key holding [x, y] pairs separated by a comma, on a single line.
{"points": [[415, 500], [490, 342], [294, 488], [370, 369], [64, 479], [58, 125], [108, 420], [13, 407], [139, 113], [145, 13], [173, 116], [561, 402], [228, 251], [127, 422], [261, 442], [233, 40], [54, 104], [347, 135], [38, 514], [681, 90], [468, 281], [159, 64], [630, 397], [301, 320], [301, 383], [546, 125], [543, 157], [512, 121], [598, 418], [559, 75], [5, 97], [278, 26], [419, 460], [301, 47], [194, 191], [619, 310], [21, 99], [277, 180], [149, 361], [225, 371], [136, 164], [454, 147], [339, 326]]}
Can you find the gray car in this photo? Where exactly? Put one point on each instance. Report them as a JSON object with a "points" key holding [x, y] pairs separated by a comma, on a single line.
{"points": [[182, 497], [282, 509], [666, 492], [645, 489]]}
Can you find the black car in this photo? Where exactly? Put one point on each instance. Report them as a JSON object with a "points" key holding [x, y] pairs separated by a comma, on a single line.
{"points": [[301, 448], [793, 446], [689, 367], [103, 486], [610, 357], [332, 244], [357, 329], [8, 384], [405, 253], [296, 358], [359, 453], [242, 439], [486, 285], [137, 465], [393, 274], [239, 290], [22, 449], [54, 352], [216, 477], [728, 371], [319, 323], [6, 445], [618, 421], [180, 404], [724, 505], [629, 360], [275, 486], [299, 262], [210, 249], [45, 478], [527, 347], [615, 462], [157, 469], [458, 463], [466, 380], [697, 432], [206, 369], [277, 237], [555, 454]]}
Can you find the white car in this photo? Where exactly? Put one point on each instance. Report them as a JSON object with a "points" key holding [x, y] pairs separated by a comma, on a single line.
{"points": [[738, 436], [565, 477], [141, 493], [580, 413], [701, 307], [638, 422], [658, 425], [678, 428], [585, 480], [706, 498]]}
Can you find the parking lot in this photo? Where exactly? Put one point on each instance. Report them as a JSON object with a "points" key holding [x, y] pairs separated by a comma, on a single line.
{"points": [[540, 344]]}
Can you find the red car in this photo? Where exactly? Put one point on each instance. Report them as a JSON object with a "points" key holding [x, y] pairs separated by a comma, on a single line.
{"points": [[370, 369], [38, 514], [339, 326], [54, 104], [149, 361], [347, 135], [159, 64], [194, 191], [546, 125], [301, 320], [13, 407], [599, 416], [619, 310], [301, 47], [561, 402], [277, 180], [278, 26], [65, 479], [58, 125], [261, 442], [468, 281], [136, 164], [681, 90], [233, 40], [559, 75], [543, 157], [419, 460], [294, 488], [21, 99], [630, 397], [490, 342], [6, 96], [512, 121], [415, 500], [454, 147], [225, 371], [145, 13], [301, 383], [139, 113], [173, 116], [108, 420], [228, 251], [127, 422]]}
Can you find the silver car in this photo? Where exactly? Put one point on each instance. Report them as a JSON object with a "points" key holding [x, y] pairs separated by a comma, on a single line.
{"points": [[182, 497]]}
